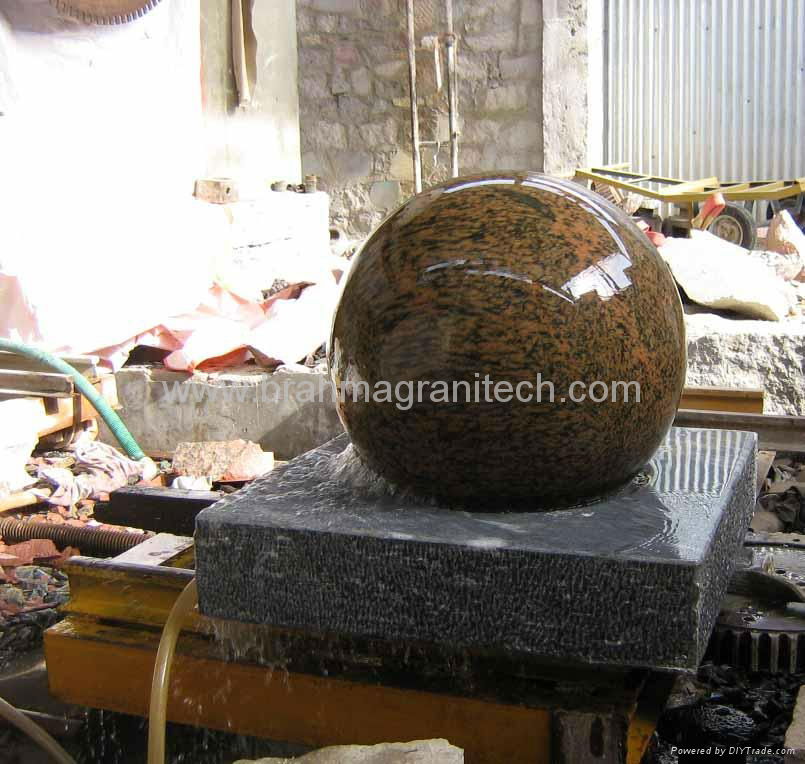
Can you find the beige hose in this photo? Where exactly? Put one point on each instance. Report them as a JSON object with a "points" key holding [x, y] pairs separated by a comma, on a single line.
{"points": [[185, 602], [35, 732]]}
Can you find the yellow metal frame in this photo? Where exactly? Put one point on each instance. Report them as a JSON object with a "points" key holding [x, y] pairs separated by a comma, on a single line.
{"points": [[688, 192]]}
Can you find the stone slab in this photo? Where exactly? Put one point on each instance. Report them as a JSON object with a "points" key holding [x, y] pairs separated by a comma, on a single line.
{"points": [[635, 579], [287, 413], [765, 355], [437, 751]]}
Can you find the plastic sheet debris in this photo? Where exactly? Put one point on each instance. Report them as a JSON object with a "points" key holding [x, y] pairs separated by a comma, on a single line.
{"points": [[99, 469]]}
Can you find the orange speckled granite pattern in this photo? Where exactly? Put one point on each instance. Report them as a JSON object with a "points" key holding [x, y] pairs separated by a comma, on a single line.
{"points": [[511, 274]]}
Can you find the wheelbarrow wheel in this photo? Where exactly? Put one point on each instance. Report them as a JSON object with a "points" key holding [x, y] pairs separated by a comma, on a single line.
{"points": [[736, 226]]}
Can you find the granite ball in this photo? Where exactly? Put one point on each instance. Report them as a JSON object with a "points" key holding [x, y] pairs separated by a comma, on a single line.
{"points": [[514, 277]]}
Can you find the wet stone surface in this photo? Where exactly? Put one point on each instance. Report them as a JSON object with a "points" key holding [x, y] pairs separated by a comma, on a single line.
{"points": [[539, 285], [634, 579]]}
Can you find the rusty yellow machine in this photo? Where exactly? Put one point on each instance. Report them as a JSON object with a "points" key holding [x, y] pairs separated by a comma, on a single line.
{"points": [[315, 690]]}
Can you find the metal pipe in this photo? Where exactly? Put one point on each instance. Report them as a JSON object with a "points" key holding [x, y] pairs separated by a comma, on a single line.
{"points": [[452, 89], [409, 13], [88, 540]]}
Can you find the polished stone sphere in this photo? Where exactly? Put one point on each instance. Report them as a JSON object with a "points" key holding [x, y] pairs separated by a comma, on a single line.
{"points": [[526, 279]]}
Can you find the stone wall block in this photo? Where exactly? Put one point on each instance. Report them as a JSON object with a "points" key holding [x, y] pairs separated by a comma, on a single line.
{"points": [[352, 111], [339, 85], [361, 82], [351, 165], [324, 135], [530, 12], [391, 70], [529, 39], [335, 6], [314, 87], [501, 39], [514, 67], [346, 54], [507, 98], [327, 23]]}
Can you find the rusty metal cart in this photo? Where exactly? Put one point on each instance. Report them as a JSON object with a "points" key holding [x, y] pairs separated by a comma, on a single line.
{"points": [[735, 222]]}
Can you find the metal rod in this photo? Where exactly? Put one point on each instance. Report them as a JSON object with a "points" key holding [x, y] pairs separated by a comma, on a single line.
{"points": [[88, 540], [409, 12], [452, 89]]}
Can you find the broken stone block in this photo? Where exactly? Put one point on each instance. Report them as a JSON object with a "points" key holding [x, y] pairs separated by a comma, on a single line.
{"points": [[721, 275], [786, 265], [437, 751], [222, 460], [785, 236], [724, 352], [766, 522]]}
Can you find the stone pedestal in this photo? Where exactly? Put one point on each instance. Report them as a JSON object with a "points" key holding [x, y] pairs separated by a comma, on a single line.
{"points": [[634, 579]]}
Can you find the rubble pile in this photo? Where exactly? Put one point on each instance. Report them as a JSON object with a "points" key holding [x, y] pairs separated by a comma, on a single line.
{"points": [[781, 505], [764, 284], [31, 588]]}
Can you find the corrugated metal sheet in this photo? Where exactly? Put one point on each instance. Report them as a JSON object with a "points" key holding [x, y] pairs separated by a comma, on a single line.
{"points": [[706, 87]]}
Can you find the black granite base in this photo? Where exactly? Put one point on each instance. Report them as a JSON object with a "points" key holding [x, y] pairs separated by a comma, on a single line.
{"points": [[633, 580]]}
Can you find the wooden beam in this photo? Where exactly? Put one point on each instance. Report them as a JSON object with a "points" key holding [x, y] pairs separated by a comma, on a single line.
{"points": [[46, 384], [88, 365], [57, 414], [722, 399]]}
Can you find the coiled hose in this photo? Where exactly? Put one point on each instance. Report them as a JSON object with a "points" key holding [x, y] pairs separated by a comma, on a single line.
{"points": [[157, 714], [35, 732], [113, 421]]}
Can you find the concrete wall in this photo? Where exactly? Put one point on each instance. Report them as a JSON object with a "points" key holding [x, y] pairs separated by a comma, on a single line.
{"points": [[259, 141], [524, 86], [565, 85]]}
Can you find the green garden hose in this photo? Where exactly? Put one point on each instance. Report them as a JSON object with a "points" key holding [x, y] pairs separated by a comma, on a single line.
{"points": [[113, 421]]}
